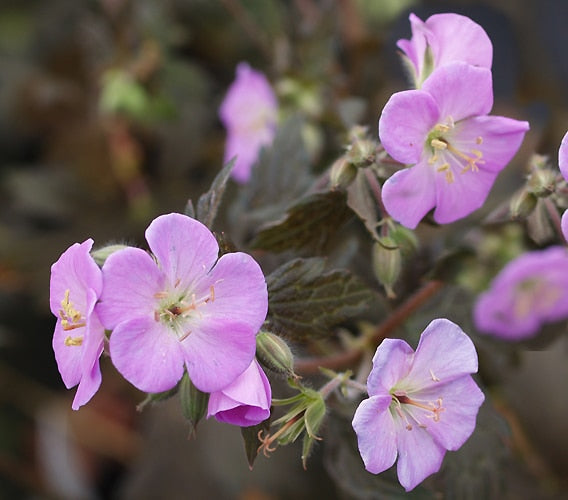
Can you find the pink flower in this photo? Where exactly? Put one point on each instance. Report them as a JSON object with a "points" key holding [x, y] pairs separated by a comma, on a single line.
{"points": [[455, 150], [530, 291], [181, 307], [75, 285], [244, 402], [249, 113], [443, 39], [421, 403]]}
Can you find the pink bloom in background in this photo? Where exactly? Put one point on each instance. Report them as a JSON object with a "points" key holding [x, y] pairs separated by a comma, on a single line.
{"points": [[530, 291], [421, 403], [249, 113], [182, 307], [454, 150], [443, 39], [75, 285], [244, 402], [563, 164]]}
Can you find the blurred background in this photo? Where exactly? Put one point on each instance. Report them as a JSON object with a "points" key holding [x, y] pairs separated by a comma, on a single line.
{"points": [[108, 118]]}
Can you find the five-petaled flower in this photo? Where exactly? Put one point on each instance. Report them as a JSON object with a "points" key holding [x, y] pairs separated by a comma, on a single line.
{"points": [[182, 307], [454, 150], [443, 39], [244, 402], [249, 113], [421, 403], [78, 341], [530, 291]]}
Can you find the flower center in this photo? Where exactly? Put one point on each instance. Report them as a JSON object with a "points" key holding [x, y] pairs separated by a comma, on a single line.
{"points": [[402, 405], [446, 155], [71, 319], [176, 313]]}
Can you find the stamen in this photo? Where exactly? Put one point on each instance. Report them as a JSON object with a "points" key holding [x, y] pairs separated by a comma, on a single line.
{"points": [[436, 409], [438, 144], [434, 378], [73, 341], [479, 140], [70, 317]]}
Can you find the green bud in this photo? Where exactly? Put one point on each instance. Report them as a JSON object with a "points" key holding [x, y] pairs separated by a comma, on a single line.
{"points": [[342, 173], [274, 354], [541, 182], [387, 263], [193, 402], [522, 204], [101, 254], [405, 239], [313, 418]]}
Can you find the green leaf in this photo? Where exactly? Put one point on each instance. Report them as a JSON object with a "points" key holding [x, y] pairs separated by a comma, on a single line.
{"points": [[251, 441], [308, 225], [305, 301], [208, 204]]}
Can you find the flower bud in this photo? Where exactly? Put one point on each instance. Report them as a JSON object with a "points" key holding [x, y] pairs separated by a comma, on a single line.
{"points": [[541, 182], [405, 239], [193, 402], [274, 354], [387, 263], [100, 255], [342, 173], [522, 204]]}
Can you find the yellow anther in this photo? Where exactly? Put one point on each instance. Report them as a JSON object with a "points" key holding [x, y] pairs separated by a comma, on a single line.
{"points": [[479, 140], [70, 317], [438, 144], [73, 341]]}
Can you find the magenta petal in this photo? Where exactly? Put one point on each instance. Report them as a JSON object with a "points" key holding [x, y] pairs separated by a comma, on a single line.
{"points": [[467, 193], [563, 156], [461, 399], [376, 434], [131, 280], [217, 351], [410, 194], [418, 455], [461, 90], [444, 353], [405, 123], [184, 247], [147, 354], [391, 362], [501, 138], [239, 291], [68, 359]]}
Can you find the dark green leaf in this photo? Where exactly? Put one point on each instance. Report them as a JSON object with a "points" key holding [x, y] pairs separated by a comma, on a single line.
{"points": [[308, 225], [193, 402], [306, 301], [208, 203], [251, 441]]}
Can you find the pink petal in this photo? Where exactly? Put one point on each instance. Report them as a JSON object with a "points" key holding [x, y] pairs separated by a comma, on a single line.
{"points": [[246, 147], [563, 156], [184, 247], [68, 358], [444, 353], [147, 354], [466, 193], [461, 400], [239, 291], [418, 455], [410, 194], [244, 402], [131, 281], [564, 224], [217, 351], [405, 123], [76, 272], [458, 38], [416, 46], [376, 434], [501, 138], [460, 90], [391, 363]]}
